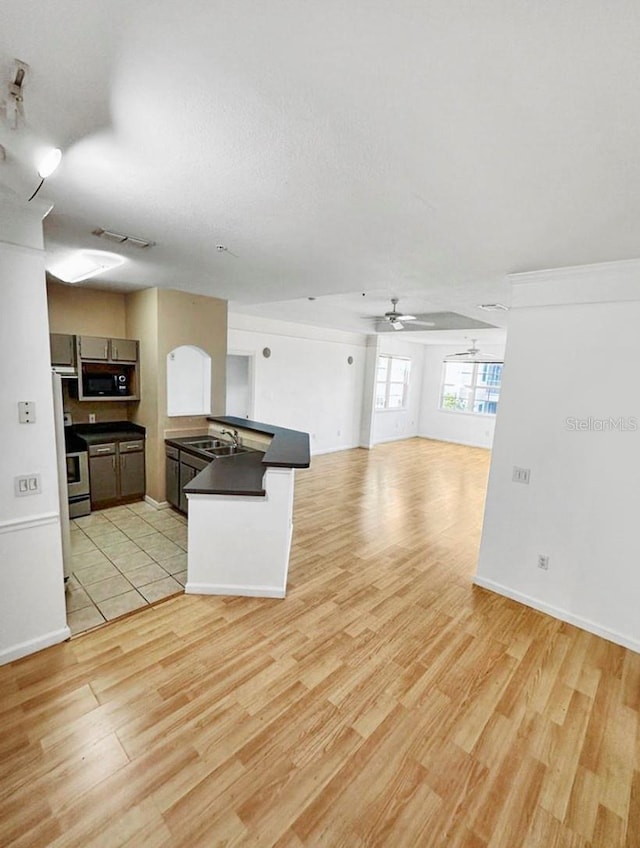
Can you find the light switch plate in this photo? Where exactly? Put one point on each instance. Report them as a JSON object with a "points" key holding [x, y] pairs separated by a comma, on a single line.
{"points": [[27, 484]]}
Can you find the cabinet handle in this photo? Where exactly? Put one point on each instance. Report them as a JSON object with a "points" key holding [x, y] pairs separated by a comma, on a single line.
{"points": [[106, 350], [103, 450]]}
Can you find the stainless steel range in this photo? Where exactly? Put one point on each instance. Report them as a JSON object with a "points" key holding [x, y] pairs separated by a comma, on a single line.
{"points": [[78, 483]]}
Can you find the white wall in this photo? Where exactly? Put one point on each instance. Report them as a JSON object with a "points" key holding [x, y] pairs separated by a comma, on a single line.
{"points": [[306, 384], [461, 427], [572, 353], [32, 608], [389, 425]]}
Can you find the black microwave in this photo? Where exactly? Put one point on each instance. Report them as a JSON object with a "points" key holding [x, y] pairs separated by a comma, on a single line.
{"points": [[105, 385]]}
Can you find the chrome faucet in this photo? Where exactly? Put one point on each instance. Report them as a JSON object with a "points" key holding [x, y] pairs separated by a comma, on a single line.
{"points": [[234, 436]]}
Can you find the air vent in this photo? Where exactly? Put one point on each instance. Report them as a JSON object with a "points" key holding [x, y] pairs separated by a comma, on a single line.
{"points": [[122, 238]]}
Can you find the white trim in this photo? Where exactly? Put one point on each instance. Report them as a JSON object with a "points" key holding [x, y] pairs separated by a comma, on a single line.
{"points": [[561, 614], [231, 589], [595, 270], [156, 504], [29, 522], [402, 438], [16, 652], [332, 450], [453, 442]]}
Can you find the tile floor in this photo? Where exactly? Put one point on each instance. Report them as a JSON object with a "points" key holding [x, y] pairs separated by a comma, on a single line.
{"points": [[124, 558]]}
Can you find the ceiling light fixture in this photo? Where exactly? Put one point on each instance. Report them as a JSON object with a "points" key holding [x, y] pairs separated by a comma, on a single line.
{"points": [[47, 166], [84, 264]]}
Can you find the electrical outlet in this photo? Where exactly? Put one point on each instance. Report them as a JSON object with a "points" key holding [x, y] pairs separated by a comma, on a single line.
{"points": [[521, 475], [26, 412], [543, 562], [92, 418]]}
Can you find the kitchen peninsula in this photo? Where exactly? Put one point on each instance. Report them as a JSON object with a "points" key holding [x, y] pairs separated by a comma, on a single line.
{"points": [[241, 512]]}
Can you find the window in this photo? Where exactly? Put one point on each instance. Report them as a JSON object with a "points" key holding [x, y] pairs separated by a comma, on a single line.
{"points": [[392, 382], [471, 387]]}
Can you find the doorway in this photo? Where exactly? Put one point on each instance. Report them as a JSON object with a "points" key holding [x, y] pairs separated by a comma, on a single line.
{"points": [[240, 385]]}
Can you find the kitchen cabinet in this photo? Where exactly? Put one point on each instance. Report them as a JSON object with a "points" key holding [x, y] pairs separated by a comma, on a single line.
{"points": [[172, 476], [108, 369], [103, 475], [93, 347], [116, 472], [190, 465], [131, 468], [63, 350], [102, 349], [124, 350]]}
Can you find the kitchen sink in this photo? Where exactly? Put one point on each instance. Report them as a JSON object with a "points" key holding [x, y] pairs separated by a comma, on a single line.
{"points": [[226, 450], [205, 444]]}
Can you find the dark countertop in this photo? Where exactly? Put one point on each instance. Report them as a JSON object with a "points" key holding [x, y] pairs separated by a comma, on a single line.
{"points": [[108, 431], [288, 448], [242, 474], [231, 475]]}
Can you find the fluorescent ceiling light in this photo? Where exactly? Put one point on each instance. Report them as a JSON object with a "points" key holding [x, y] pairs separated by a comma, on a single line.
{"points": [[49, 163], [84, 264]]}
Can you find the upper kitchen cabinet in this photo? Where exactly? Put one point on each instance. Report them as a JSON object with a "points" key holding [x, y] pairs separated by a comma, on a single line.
{"points": [[108, 368], [63, 349], [99, 349], [124, 350]]}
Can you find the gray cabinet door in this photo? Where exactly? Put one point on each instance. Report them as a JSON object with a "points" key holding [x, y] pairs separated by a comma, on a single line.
{"points": [[62, 352], [104, 478], [132, 474], [187, 473], [173, 481], [124, 350], [93, 347]]}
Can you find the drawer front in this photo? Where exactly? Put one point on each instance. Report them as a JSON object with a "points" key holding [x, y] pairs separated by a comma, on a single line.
{"points": [[102, 450], [171, 452], [129, 447]]}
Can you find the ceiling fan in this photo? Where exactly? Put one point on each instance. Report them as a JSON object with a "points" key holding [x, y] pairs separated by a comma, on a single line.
{"points": [[472, 354], [397, 319]]}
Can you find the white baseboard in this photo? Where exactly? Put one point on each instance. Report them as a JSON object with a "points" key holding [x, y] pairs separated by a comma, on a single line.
{"points": [[333, 450], [454, 442], [16, 652], [563, 615], [156, 504], [402, 438], [231, 589]]}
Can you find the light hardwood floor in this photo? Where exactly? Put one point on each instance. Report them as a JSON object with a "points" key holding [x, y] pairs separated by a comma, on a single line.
{"points": [[385, 702]]}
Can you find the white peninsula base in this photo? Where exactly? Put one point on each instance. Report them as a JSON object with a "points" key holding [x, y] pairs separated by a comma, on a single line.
{"points": [[239, 545]]}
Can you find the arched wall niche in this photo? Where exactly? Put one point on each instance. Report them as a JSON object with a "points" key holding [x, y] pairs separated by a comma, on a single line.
{"points": [[188, 381]]}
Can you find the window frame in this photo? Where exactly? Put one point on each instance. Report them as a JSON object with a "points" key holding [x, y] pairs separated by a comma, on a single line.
{"points": [[474, 385], [388, 383]]}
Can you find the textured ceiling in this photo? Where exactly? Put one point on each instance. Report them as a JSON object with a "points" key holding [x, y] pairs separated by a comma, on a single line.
{"points": [[422, 150]]}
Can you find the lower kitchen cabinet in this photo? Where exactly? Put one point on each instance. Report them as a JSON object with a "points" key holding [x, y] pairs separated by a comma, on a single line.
{"points": [[116, 472], [172, 466], [181, 467]]}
